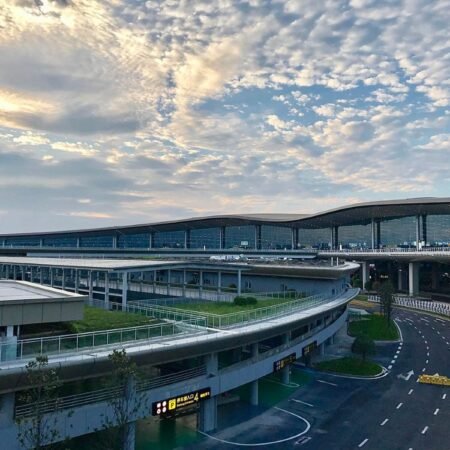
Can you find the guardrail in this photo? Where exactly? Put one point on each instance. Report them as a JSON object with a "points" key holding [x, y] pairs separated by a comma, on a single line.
{"points": [[76, 343], [238, 318], [105, 394], [389, 250], [414, 303]]}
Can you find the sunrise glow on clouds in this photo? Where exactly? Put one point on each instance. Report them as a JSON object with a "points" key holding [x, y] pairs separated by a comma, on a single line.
{"points": [[116, 112]]}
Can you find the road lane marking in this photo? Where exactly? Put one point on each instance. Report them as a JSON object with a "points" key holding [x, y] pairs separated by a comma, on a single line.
{"points": [[363, 443], [423, 370], [300, 401], [444, 396], [426, 362], [385, 421], [395, 356], [436, 412], [327, 382], [393, 361], [428, 353], [399, 405], [397, 352], [410, 391], [390, 366], [425, 430]]}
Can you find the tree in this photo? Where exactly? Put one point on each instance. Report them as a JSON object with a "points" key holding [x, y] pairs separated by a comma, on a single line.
{"points": [[363, 346], [124, 405], [37, 429], [386, 293], [356, 282]]}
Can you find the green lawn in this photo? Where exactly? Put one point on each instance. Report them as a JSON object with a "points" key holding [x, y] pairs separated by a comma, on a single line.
{"points": [[374, 326], [229, 307], [350, 366], [96, 319]]}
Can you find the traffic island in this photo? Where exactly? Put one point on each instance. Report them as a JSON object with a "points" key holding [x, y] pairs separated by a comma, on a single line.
{"points": [[350, 366], [375, 327]]}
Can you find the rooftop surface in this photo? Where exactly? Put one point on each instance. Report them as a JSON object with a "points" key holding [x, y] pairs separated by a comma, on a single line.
{"points": [[22, 291]]}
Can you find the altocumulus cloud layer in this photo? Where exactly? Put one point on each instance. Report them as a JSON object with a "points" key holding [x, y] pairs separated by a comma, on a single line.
{"points": [[119, 111]]}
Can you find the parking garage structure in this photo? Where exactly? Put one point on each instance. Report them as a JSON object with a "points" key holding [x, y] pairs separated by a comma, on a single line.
{"points": [[202, 353]]}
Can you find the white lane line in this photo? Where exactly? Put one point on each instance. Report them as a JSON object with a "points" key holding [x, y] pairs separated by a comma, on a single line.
{"points": [[397, 352], [264, 444], [444, 396], [393, 361], [423, 370], [426, 342], [399, 406], [425, 430], [299, 401], [363, 443], [401, 344], [390, 366], [436, 411], [327, 382], [438, 332], [385, 421], [428, 348], [410, 391], [440, 320], [426, 362], [395, 356], [428, 353]]}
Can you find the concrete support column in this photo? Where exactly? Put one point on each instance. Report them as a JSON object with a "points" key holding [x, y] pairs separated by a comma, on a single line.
{"points": [[322, 349], [154, 281], [400, 279], [219, 281], [417, 232], [294, 238], [254, 393], [24, 273], [413, 273], [90, 285], [169, 275], [124, 290], [151, 240], [52, 276], [239, 285], [208, 408], [106, 290], [372, 233], [285, 371], [129, 436], [114, 241], [365, 268], [187, 239], [378, 236], [424, 229], [184, 283], [7, 402], [63, 279], [77, 280], [200, 284], [31, 274], [41, 275]]}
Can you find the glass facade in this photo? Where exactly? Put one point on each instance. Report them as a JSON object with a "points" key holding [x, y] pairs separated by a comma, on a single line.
{"points": [[355, 236], [205, 238], [96, 241], [22, 242], [314, 238], [276, 238], [141, 240], [438, 230], [168, 239], [398, 232], [60, 241], [240, 237]]}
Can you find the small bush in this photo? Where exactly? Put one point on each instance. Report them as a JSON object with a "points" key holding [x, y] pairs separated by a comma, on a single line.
{"points": [[244, 301]]}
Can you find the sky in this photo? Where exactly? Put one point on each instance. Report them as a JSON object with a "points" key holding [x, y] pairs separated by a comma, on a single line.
{"points": [[117, 112]]}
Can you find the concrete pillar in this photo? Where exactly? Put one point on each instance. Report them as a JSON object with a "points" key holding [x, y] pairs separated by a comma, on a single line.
{"points": [[124, 290], [14, 272], [168, 281], [219, 281], [322, 349], [10, 331], [151, 240], [31, 274], [417, 232], [239, 285], [187, 239], [63, 279], [254, 393], [378, 236], [77, 280], [41, 275], [208, 408], [24, 273], [285, 371], [184, 283], [91, 285], [106, 290], [294, 238], [154, 281], [413, 273], [129, 436], [200, 284], [7, 406], [424, 229], [114, 241], [372, 233], [52, 276], [400, 279], [365, 268]]}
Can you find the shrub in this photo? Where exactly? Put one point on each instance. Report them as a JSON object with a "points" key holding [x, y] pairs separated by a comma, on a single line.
{"points": [[244, 301]]}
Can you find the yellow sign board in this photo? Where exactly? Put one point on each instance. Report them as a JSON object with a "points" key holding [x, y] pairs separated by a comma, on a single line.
{"points": [[440, 380], [172, 404]]}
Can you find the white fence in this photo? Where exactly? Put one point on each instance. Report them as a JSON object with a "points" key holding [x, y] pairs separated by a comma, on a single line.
{"points": [[423, 305]]}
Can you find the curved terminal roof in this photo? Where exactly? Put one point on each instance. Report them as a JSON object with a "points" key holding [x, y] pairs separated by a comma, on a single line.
{"points": [[356, 214]]}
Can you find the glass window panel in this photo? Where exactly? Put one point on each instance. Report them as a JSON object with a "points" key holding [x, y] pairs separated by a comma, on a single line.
{"points": [[60, 241], [96, 241], [314, 238], [169, 239], [438, 230], [140, 240], [273, 237], [355, 236], [205, 238], [240, 237], [398, 232]]}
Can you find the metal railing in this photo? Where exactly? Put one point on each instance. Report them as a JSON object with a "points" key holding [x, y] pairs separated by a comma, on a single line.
{"points": [[238, 318], [433, 250], [414, 303], [105, 394], [81, 342]]}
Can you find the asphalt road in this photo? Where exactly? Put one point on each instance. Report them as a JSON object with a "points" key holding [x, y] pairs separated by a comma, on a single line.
{"points": [[390, 413]]}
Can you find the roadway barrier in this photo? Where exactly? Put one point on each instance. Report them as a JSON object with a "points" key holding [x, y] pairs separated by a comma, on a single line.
{"points": [[414, 303], [440, 380]]}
